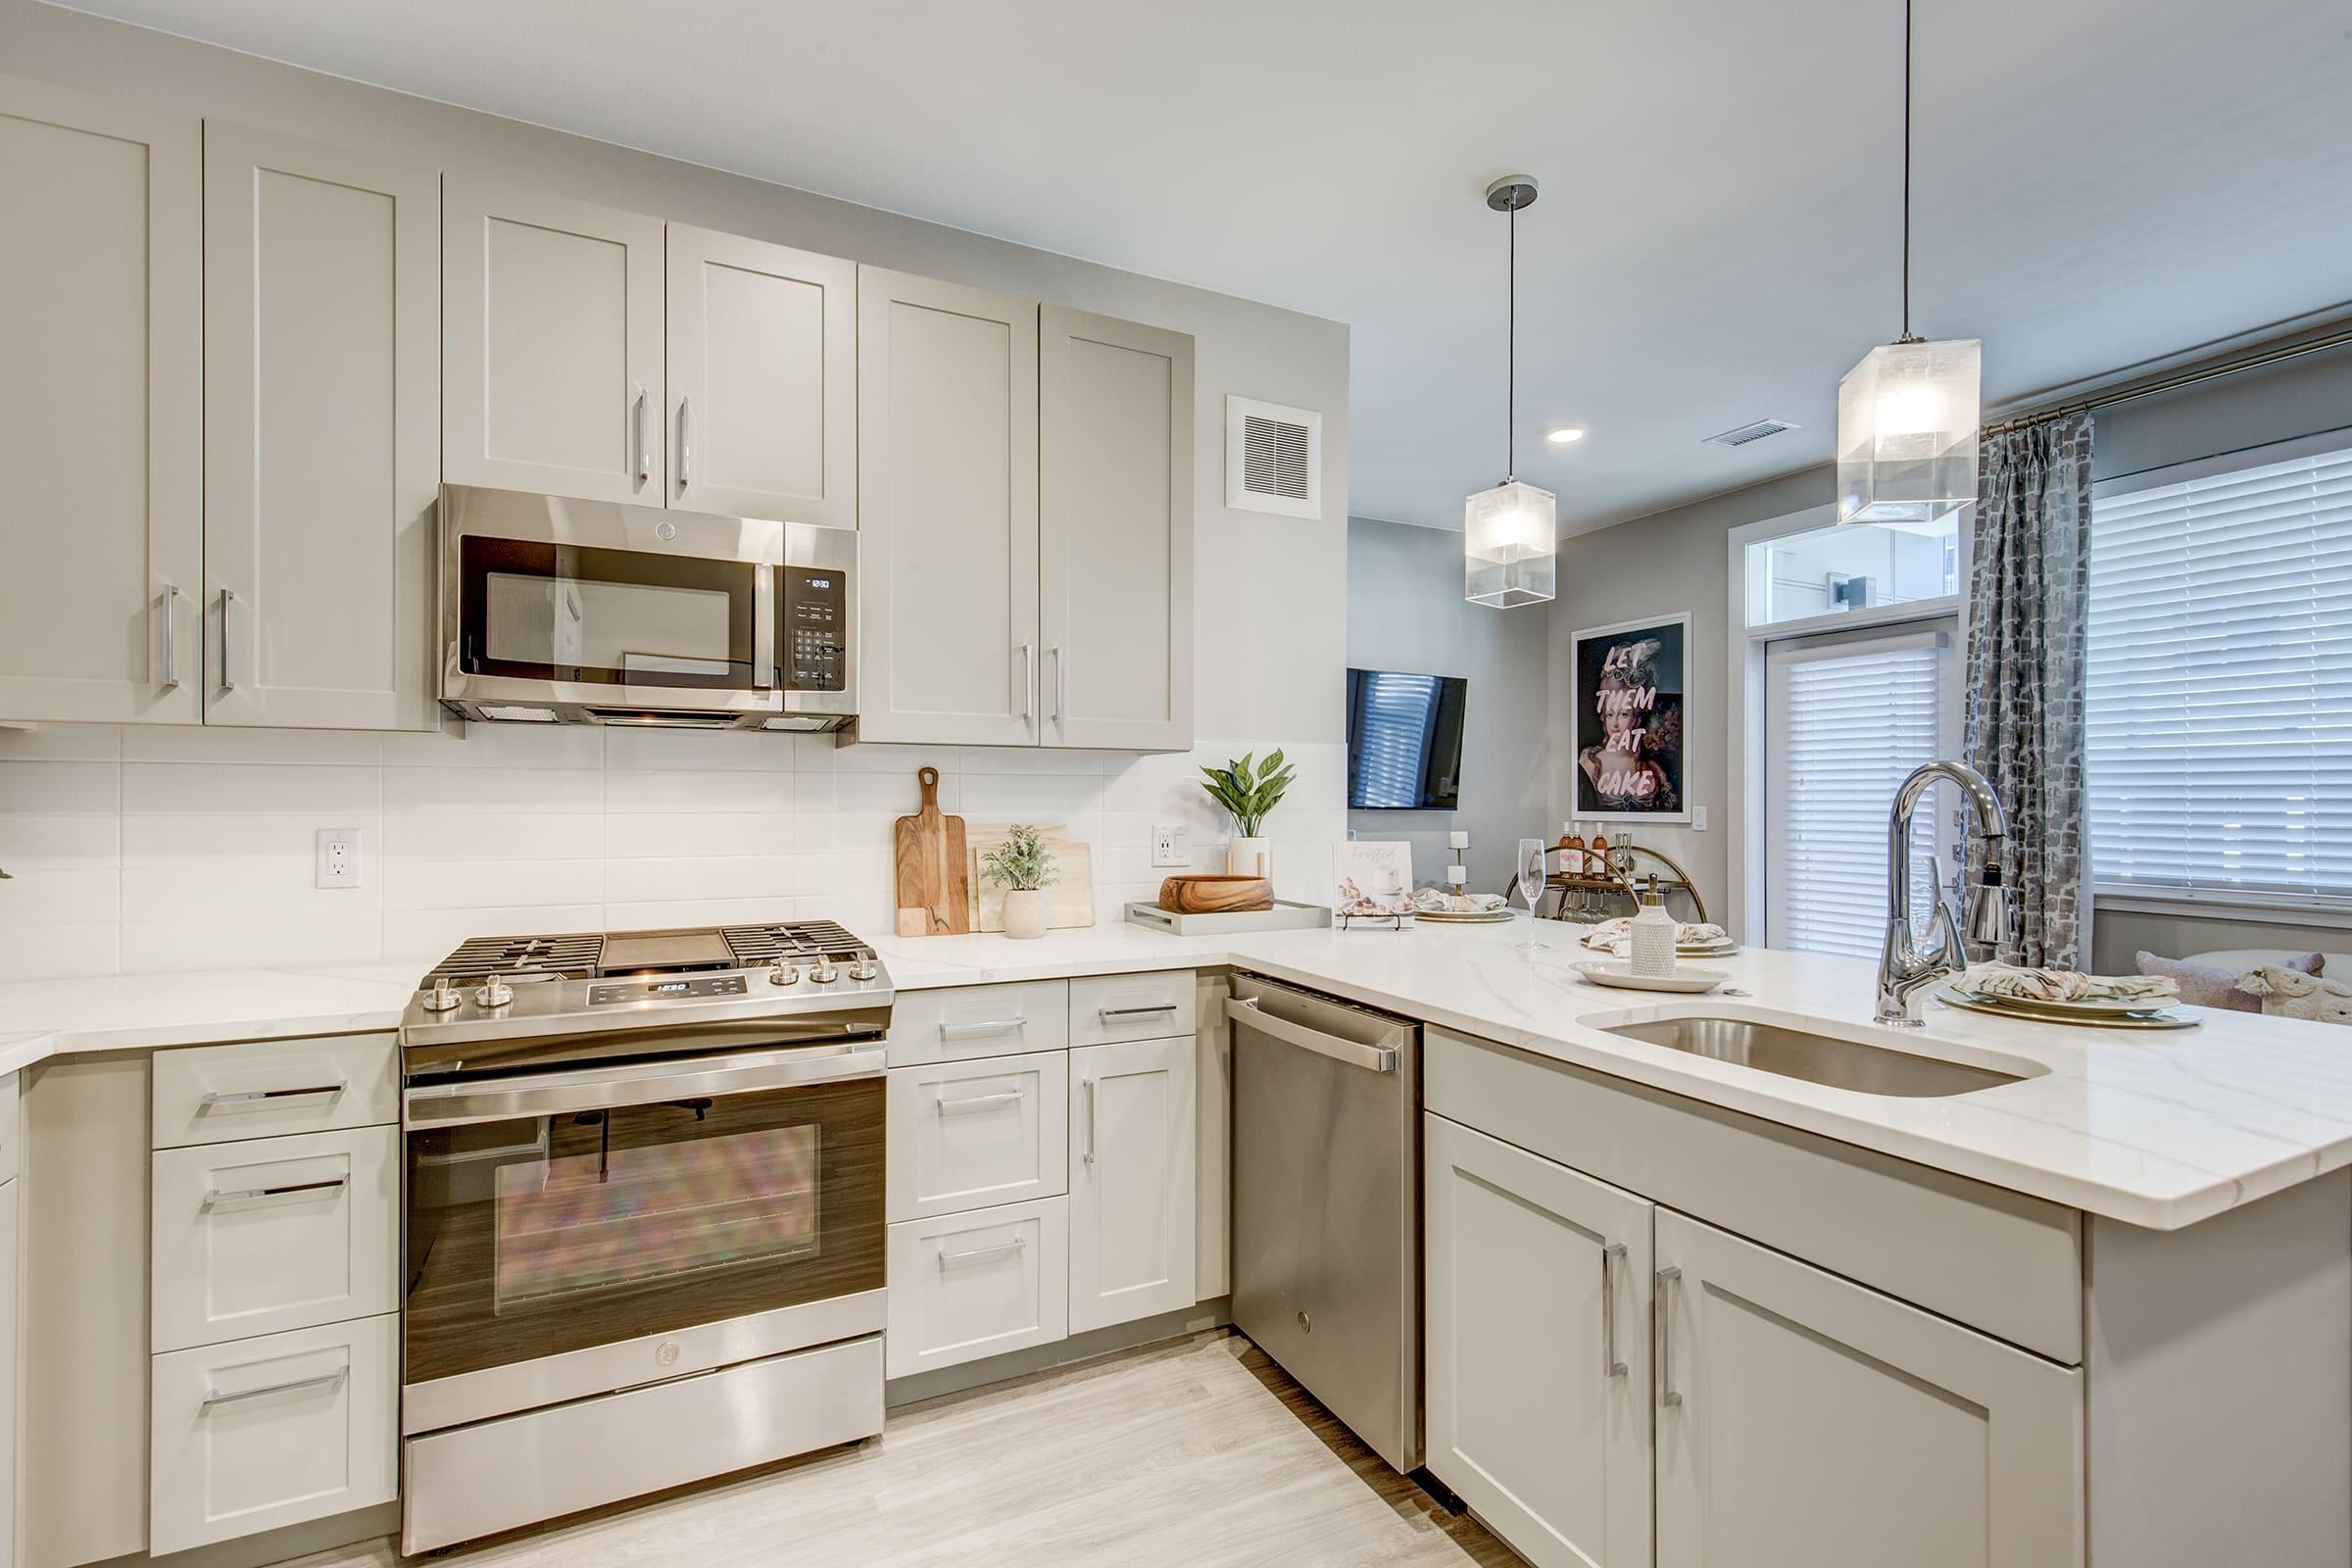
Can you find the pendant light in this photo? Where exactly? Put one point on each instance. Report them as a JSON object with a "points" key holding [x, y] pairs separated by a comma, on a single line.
{"points": [[1510, 533], [1907, 415]]}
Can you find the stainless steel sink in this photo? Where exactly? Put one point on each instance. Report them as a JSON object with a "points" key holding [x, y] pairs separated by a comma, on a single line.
{"points": [[1816, 1059]]}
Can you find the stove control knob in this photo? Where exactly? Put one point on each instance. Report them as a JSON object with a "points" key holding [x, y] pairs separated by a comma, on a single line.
{"points": [[862, 967], [782, 974], [823, 973], [495, 993], [441, 999]]}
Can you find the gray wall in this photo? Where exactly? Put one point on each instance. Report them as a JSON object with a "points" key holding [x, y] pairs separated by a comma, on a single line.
{"points": [[1405, 610], [1677, 560]]}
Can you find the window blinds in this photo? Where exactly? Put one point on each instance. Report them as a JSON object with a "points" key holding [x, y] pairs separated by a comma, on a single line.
{"points": [[1391, 747], [1847, 726], [2219, 758]]}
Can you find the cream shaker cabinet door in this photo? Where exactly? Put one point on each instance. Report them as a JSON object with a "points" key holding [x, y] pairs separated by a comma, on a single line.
{"points": [[968, 1134], [322, 433], [1538, 1353], [763, 379], [10, 1241], [102, 409], [553, 345], [1114, 532], [1132, 1152], [946, 510], [1804, 1421]]}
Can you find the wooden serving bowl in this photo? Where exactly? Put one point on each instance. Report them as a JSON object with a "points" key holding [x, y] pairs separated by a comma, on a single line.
{"points": [[1215, 895]]}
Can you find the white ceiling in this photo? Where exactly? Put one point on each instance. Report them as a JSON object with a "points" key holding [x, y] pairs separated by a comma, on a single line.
{"points": [[2099, 182]]}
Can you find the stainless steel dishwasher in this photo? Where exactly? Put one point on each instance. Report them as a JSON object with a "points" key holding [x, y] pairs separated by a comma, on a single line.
{"points": [[1327, 1203]]}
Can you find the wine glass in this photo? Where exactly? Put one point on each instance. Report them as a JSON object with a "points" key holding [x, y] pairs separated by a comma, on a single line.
{"points": [[1531, 888]]}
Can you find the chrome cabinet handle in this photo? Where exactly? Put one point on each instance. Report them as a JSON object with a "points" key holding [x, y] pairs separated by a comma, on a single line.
{"points": [[1610, 1256], [1061, 684], [645, 446], [1028, 681], [324, 1380], [685, 439], [227, 599], [1130, 1013], [1088, 1084], [1661, 1317], [170, 655], [975, 1102], [215, 1198], [1001, 1247], [248, 1097], [991, 1026]]}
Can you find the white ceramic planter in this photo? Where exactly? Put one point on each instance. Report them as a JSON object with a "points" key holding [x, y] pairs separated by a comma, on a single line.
{"points": [[1250, 857], [1025, 913]]}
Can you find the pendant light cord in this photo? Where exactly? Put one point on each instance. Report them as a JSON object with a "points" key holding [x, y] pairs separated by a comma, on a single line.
{"points": [[1906, 337], [1511, 416]]}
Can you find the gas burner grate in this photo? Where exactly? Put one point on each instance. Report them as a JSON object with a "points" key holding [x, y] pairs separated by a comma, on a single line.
{"points": [[572, 957], [791, 940]]}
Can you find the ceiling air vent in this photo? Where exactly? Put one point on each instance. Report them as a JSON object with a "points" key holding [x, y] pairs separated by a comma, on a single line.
{"points": [[1746, 434], [1273, 459]]}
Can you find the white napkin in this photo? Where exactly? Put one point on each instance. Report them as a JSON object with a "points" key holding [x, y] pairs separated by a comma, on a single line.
{"points": [[1438, 901], [2065, 985], [1617, 936]]}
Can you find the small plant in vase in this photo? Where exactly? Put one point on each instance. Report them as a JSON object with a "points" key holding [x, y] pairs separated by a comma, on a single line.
{"points": [[1248, 795], [1021, 867]]}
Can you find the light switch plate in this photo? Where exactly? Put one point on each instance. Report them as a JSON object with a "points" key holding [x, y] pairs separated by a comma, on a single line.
{"points": [[1169, 849], [339, 857], [1698, 819]]}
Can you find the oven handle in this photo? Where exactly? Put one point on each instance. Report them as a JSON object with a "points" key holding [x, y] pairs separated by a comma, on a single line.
{"points": [[554, 1094]]}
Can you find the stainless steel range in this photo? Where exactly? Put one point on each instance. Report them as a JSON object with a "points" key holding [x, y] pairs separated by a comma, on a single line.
{"points": [[643, 1219]]}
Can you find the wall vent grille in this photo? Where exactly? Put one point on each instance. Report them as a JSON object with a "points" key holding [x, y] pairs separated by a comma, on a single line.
{"points": [[1744, 434], [1273, 459]]}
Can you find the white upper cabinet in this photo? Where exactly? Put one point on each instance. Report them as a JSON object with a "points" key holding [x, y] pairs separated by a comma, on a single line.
{"points": [[1115, 532], [1804, 1420], [102, 409], [322, 433], [552, 367], [762, 417], [947, 486]]}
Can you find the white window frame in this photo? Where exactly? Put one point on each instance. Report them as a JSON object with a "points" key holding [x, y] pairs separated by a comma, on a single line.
{"points": [[2269, 909], [1743, 772]]}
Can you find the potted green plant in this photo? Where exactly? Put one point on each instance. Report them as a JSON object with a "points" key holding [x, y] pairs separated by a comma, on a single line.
{"points": [[1022, 868], [1247, 795]]}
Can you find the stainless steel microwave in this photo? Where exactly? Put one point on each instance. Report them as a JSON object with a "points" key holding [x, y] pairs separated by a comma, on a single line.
{"points": [[558, 610]]}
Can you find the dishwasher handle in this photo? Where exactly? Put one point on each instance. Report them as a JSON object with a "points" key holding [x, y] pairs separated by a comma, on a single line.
{"points": [[1247, 1013]]}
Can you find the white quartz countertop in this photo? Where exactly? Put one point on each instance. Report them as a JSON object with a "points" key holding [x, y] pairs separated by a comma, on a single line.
{"points": [[2152, 1128]]}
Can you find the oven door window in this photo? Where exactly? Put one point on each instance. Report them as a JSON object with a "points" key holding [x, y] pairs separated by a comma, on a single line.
{"points": [[612, 617], [542, 1235]]}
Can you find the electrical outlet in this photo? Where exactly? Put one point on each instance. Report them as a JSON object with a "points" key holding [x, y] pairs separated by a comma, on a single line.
{"points": [[339, 857], [1168, 847]]}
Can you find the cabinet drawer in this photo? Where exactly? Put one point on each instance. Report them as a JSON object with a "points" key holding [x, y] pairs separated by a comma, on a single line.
{"points": [[1131, 1007], [273, 1233], [972, 1134], [968, 1021], [213, 1094], [11, 1128], [269, 1432], [968, 1286]]}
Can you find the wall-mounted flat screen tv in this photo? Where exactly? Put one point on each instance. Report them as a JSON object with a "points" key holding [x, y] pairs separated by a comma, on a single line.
{"points": [[1405, 740]]}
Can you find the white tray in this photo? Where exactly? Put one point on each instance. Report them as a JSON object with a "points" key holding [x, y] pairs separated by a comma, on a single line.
{"points": [[1284, 916], [1686, 979]]}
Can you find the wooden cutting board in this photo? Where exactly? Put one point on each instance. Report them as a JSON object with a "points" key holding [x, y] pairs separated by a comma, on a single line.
{"points": [[1070, 902], [934, 871]]}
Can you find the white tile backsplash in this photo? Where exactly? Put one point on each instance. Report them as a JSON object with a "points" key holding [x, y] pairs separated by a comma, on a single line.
{"points": [[139, 850]]}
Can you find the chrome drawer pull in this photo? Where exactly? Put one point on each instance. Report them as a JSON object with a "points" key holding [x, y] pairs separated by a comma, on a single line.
{"points": [[170, 681], [227, 599], [685, 440], [250, 1096], [215, 1198], [975, 1102], [1091, 1116], [324, 1380], [644, 444], [1610, 1256], [994, 1026], [1661, 1314], [1013, 1246], [1131, 1012]]}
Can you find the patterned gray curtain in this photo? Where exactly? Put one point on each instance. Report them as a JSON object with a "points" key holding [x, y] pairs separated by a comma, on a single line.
{"points": [[2031, 539]]}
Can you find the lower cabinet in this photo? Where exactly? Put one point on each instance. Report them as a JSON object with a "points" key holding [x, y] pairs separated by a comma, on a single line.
{"points": [[968, 1286], [1803, 1419], [1132, 1130], [8, 1276], [261, 1433], [1538, 1348], [968, 1134]]}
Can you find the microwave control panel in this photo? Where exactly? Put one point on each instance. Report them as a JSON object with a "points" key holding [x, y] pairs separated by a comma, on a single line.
{"points": [[816, 620]]}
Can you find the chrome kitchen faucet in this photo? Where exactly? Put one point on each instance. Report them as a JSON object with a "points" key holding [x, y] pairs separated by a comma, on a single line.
{"points": [[1906, 973]]}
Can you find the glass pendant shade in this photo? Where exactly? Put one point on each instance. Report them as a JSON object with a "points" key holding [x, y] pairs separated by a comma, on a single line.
{"points": [[1907, 419], [1510, 543]]}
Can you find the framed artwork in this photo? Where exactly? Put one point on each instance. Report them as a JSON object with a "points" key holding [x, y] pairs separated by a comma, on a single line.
{"points": [[1631, 720], [1374, 877]]}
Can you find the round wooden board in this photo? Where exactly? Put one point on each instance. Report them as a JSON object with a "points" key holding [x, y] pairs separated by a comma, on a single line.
{"points": [[1215, 895]]}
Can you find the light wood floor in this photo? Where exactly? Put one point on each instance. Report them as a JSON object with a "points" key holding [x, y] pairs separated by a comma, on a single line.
{"points": [[1196, 1455]]}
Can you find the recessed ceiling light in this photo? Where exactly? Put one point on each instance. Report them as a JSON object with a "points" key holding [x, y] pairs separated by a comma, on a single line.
{"points": [[1560, 435]]}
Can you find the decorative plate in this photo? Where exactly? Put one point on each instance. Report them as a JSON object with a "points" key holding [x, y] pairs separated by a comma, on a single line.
{"points": [[2062, 1007], [2161, 1019], [1619, 973], [1466, 916]]}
